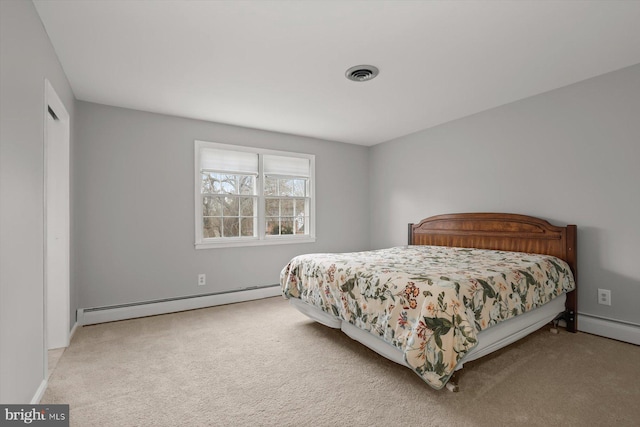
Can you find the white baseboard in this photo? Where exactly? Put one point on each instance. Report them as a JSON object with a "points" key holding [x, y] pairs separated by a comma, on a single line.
{"points": [[92, 316], [73, 332], [39, 393], [609, 328]]}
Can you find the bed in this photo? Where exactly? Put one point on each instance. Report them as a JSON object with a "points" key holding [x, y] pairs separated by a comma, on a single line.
{"points": [[465, 285]]}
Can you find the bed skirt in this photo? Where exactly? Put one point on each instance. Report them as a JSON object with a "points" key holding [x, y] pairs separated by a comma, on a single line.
{"points": [[489, 340]]}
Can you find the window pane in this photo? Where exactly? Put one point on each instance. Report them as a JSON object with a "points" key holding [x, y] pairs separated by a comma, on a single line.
{"points": [[247, 185], [299, 187], [246, 206], [300, 206], [300, 224], [286, 207], [272, 207], [270, 186], [229, 184], [205, 183], [211, 206], [246, 226], [273, 226], [211, 227], [231, 227], [286, 187], [231, 206], [286, 226], [210, 182]]}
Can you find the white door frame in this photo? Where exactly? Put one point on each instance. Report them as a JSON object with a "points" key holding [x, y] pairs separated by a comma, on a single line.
{"points": [[56, 310]]}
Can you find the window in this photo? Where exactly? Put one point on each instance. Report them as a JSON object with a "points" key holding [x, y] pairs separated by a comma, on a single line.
{"points": [[249, 196]]}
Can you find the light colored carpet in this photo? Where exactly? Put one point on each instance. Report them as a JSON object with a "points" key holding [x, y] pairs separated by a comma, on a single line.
{"points": [[263, 363], [53, 357]]}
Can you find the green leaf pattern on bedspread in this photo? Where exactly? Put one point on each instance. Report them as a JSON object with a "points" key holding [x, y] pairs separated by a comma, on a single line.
{"points": [[428, 301]]}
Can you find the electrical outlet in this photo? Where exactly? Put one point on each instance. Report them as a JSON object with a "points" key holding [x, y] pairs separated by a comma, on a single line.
{"points": [[604, 296], [202, 279]]}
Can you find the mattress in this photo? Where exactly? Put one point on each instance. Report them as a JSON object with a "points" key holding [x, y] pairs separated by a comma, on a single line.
{"points": [[429, 303]]}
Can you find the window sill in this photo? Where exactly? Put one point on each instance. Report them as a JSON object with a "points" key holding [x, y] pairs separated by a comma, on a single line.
{"points": [[255, 242]]}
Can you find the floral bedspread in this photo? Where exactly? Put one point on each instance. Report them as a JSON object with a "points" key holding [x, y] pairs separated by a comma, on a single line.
{"points": [[428, 301]]}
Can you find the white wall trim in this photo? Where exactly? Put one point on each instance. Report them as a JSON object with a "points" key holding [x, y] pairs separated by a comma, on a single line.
{"points": [[72, 333], [91, 316], [39, 393], [56, 292], [609, 328]]}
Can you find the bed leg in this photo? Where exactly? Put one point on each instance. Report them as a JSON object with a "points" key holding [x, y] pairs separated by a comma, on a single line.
{"points": [[572, 310], [452, 384], [572, 323]]}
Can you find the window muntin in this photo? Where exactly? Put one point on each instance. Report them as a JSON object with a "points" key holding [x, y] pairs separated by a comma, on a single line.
{"points": [[247, 196]]}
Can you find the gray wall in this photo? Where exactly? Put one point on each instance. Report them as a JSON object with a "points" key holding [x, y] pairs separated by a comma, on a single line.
{"points": [[26, 59], [134, 207], [568, 156]]}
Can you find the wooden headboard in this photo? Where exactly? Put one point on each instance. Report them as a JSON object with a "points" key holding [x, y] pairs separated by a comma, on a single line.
{"points": [[504, 232]]}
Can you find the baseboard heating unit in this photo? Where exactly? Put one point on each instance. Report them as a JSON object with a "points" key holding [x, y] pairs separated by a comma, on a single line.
{"points": [[91, 316], [610, 328]]}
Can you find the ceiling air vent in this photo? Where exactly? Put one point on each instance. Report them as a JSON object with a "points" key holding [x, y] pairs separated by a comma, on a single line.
{"points": [[362, 73]]}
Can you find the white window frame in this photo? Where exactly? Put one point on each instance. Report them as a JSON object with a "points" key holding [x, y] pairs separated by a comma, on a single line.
{"points": [[262, 238]]}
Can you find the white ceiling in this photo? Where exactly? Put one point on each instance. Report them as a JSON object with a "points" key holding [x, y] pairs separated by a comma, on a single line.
{"points": [[279, 65]]}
